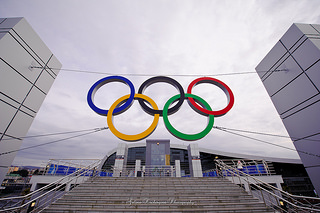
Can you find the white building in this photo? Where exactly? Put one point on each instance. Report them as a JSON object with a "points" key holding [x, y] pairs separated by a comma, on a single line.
{"points": [[22, 88], [290, 73], [131, 160]]}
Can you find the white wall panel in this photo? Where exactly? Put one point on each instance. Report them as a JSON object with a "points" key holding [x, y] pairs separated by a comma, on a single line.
{"points": [[6, 115], [317, 27], [7, 100], [291, 36], [293, 94], [12, 84], [14, 55], [34, 99], [314, 176], [316, 41], [308, 145], [307, 54], [31, 38], [20, 125], [45, 81], [304, 123], [9, 22], [278, 51], [277, 80], [54, 63], [307, 29], [314, 73]]}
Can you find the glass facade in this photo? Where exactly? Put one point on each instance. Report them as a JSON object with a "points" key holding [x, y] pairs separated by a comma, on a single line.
{"points": [[295, 178], [158, 154], [139, 153], [136, 153], [207, 160], [182, 155], [109, 163]]}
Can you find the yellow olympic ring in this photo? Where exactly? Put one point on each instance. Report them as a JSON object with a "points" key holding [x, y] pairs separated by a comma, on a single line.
{"points": [[137, 136]]}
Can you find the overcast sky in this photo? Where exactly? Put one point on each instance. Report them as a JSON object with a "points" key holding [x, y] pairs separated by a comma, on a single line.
{"points": [[157, 38]]}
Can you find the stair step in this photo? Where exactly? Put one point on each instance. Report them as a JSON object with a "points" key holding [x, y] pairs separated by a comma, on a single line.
{"points": [[108, 197], [197, 200], [228, 209], [157, 195], [161, 203], [146, 192]]}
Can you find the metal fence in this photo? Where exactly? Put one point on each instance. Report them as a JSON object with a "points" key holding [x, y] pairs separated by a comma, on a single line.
{"points": [[272, 196], [43, 197], [144, 171]]}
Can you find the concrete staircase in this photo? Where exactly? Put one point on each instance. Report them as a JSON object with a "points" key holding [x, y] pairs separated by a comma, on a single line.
{"points": [[107, 194]]}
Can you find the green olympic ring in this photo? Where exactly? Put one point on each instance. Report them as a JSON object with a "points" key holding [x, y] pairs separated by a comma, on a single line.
{"points": [[189, 137]]}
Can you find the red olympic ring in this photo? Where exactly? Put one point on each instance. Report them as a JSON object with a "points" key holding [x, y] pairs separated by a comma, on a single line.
{"points": [[218, 83]]}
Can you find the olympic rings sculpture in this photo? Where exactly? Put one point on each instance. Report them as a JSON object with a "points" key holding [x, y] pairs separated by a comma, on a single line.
{"points": [[124, 103]]}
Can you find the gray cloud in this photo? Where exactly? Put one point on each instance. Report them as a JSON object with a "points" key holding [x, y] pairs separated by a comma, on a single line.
{"points": [[157, 38]]}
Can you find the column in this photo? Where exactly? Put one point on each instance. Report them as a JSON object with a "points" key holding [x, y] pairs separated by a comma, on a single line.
{"points": [[178, 169], [137, 170], [194, 160], [121, 160]]}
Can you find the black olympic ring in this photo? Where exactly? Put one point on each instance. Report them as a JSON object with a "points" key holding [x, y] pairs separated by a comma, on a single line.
{"points": [[165, 79]]}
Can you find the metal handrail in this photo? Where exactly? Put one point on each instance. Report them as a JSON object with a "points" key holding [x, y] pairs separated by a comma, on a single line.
{"points": [[246, 163], [280, 200], [69, 163], [36, 196], [261, 167]]}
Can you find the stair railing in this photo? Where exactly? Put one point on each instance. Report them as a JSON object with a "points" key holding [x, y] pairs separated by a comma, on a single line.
{"points": [[37, 200], [273, 197]]}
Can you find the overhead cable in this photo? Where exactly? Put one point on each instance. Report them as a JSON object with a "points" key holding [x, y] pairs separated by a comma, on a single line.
{"points": [[262, 133], [137, 74], [263, 141], [55, 141], [51, 134]]}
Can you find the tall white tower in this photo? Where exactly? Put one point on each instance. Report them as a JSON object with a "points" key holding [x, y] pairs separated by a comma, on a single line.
{"points": [[22, 89], [295, 91]]}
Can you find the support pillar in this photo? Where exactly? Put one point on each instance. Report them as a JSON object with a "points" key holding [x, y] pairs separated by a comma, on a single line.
{"points": [[121, 160], [178, 169], [68, 186], [194, 160], [143, 171], [137, 170]]}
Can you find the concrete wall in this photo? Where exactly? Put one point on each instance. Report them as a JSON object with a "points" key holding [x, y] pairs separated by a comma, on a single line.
{"points": [[295, 92], [22, 89], [272, 179], [38, 181]]}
